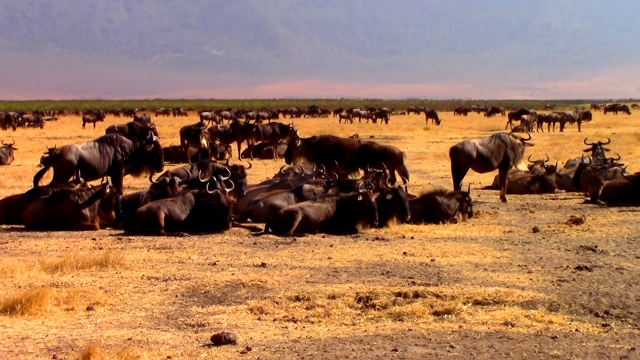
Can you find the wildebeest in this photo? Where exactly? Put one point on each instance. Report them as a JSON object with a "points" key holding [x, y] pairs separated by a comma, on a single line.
{"points": [[10, 120], [263, 207], [499, 151], [433, 115], [74, 209], [441, 206], [237, 132], [196, 210], [590, 178], [134, 130], [515, 116], [273, 133], [346, 154], [493, 111], [93, 117], [615, 108], [194, 135], [264, 150], [12, 206], [6, 153], [160, 189], [392, 203], [461, 111], [531, 183], [333, 214], [622, 191], [111, 155]]}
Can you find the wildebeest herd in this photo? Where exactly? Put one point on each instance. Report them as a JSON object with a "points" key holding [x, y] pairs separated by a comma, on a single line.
{"points": [[329, 184]]}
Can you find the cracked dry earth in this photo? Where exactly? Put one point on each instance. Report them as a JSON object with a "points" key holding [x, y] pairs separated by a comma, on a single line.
{"points": [[488, 288]]}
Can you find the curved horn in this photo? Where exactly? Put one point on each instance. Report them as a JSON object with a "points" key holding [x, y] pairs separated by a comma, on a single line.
{"points": [[608, 141], [469, 189], [322, 169], [151, 179], [188, 175], [547, 158], [210, 191], [529, 159], [228, 176], [250, 165], [368, 169], [227, 163], [617, 158], [202, 179], [281, 170], [336, 174], [527, 139], [586, 143], [233, 186], [369, 186]]}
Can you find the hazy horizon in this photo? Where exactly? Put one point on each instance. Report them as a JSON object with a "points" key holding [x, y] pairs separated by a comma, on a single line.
{"points": [[436, 49]]}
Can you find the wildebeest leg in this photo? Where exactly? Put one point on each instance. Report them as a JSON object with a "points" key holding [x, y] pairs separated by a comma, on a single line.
{"points": [[83, 124], [94, 124], [239, 145], [502, 174], [458, 174], [579, 123], [295, 220]]}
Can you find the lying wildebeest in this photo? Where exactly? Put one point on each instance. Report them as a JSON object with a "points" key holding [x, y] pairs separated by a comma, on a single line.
{"points": [[263, 207], [12, 206], [110, 155], [206, 168], [539, 179], [347, 155], [441, 206], [264, 150], [162, 188], [237, 132], [96, 116], [6, 153], [74, 209], [622, 191], [499, 151], [590, 177], [334, 214], [197, 210]]}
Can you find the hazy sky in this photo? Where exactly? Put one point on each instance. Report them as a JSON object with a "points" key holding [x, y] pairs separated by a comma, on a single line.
{"points": [[470, 49]]}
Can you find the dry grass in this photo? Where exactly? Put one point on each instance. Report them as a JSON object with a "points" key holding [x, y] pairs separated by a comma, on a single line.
{"points": [[487, 281]]}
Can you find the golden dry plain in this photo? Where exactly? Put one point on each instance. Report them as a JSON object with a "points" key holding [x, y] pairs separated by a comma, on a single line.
{"points": [[484, 289]]}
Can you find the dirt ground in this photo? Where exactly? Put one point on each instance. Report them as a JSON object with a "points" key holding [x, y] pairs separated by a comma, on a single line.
{"points": [[488, 288]]}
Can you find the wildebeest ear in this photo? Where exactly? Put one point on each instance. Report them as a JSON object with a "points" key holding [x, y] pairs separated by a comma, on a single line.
{"points": [[359, 197], [528, 144], [389, 196]]}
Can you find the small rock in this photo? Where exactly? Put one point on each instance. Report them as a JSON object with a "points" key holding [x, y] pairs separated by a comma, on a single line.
{"points": [[608, 312], [584, 268], [395, 349], [55, 357], [405, 253], [452, 346], [91, 308], [263, 264], [554, 337], [576, 220], [536, 229], [224, 338], [249, 348]]}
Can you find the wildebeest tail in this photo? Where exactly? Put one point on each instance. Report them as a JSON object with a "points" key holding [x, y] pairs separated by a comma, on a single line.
{"points": [[403, 170], [40, 174]]}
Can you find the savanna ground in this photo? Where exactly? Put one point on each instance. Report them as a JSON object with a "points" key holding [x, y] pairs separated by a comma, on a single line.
{"points": [[487, 288]]}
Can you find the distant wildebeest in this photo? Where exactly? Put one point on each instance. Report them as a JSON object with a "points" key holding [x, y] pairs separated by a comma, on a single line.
{"points": [[461, 111], [111, 155], [93, 117], [513, 116], [333, 214], [433, 115], [615, 108], [493, 111], [441, 206], [74, 209], [499, 151], [347, 155], [6, 153]]}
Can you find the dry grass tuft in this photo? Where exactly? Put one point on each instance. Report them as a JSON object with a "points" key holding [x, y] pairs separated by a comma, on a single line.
{"points": [[29, 302], [96, 352], [12, 267], [77, 262], [44, 300]]}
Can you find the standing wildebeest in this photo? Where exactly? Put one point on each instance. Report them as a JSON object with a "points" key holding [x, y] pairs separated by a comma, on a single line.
{"points": [[6, 153], [499, 151], [111, 155], [515, 116], [441, 206], [346, 154], [333, 214], [93, 117], [275, 132], [74, 209], [433, 115], [615, 108], [237, 132], [462, 111], [10, 120], [195, 135], [493, 111]]}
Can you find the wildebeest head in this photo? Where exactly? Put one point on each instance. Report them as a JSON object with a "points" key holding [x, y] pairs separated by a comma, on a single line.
{"points": [[392, 203], [109, 211], [537, 166], [164, 187], [293, 154], [146, 159], [597, 149]]}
